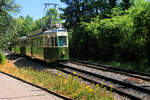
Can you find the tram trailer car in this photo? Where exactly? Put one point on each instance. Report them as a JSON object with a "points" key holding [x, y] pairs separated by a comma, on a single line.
{"points": [[49, 46]]}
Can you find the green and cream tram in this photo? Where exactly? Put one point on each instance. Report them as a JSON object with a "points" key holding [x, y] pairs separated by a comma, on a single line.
{"points": [[50, 45]]}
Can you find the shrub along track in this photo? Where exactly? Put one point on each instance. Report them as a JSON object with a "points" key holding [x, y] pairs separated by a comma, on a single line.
{"points": [[126, 88]]}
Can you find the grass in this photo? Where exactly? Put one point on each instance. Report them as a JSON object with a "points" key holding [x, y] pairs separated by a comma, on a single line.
{"points": [[2, 58], [133, 66], [68, 85]]}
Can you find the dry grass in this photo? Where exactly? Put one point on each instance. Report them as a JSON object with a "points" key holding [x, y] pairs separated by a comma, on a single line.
{"points": [[67, 85]]}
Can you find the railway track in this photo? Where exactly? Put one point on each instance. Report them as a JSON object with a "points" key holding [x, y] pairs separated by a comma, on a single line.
{"points": [[130, 90], [139, 80], [144, 76]]}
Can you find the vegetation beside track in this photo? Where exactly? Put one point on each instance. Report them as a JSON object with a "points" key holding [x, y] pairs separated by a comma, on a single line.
{"points": [[70, 86], [132, 66], [109, 30], [2, 58], [122, 37]]}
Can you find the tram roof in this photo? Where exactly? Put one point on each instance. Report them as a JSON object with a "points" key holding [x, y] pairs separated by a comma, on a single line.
{"points": [[54, 31], [24, 37]]}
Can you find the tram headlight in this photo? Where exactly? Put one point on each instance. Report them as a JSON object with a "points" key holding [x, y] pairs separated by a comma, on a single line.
{"points": [[63, 52]]}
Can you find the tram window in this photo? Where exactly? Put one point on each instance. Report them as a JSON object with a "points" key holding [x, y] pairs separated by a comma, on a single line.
{"points": [[33, 42], [25, 42], [22, 43], [52, 40], [47, 41], [62, 30], [37, 41], [41, 41], [19, 43], [56, 41], [29, 42], [62, 40]]}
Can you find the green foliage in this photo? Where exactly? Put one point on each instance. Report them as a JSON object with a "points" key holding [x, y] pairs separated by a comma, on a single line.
{"points": [[7, 6], [102, 37], [132, 66], [83, 10], [124, 37], [35, 27], [7, 23], [54, 15], [126, 4], [2, 58], [39, 23], [25, 25]]}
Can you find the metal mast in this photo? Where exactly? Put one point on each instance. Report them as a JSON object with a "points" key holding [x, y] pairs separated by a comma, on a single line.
{"points": [[47, 5]]}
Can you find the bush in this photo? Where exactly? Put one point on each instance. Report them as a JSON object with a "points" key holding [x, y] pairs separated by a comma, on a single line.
{"points": [[2, 58], [120, 38], [102, 39]]}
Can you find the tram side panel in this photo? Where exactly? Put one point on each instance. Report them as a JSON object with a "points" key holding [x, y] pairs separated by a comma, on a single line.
{"points": [[37, 52], [51, 54], [28, 47], [23, 51], [28, 51]]}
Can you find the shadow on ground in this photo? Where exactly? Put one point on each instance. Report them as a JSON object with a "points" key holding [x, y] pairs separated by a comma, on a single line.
{"points": [[26, 62], [12, 57]]}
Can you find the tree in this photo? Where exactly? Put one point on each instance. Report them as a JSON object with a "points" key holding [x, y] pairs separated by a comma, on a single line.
{"points": [[126, 4], [28, 26], [7, 23], [53, 13], [72, 13], [83, 10], [123, 37], [6, 7], [25, 25]]}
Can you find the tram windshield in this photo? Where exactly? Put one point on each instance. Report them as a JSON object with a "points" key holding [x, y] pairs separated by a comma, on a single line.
{"points": [[62, 40]]}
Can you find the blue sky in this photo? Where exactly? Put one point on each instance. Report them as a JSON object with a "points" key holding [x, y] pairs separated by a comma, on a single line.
{"points": [[35, 8]]}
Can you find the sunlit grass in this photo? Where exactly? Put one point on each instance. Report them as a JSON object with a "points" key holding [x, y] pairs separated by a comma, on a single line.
{"points": [[2, 58], [132, 66], [69, 85]]}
